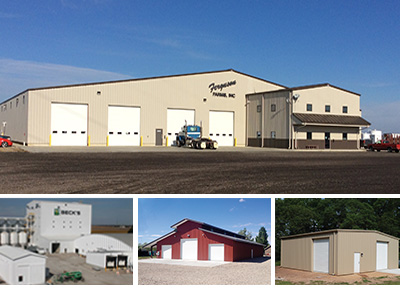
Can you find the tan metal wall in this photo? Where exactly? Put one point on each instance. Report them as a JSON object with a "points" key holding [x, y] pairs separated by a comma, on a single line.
{"points": [[16, 116], [154, 97], [321, 96], [297, 253], [363, 242]]}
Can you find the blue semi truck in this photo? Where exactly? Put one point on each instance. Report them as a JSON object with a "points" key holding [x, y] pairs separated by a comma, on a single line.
{"points": [[191, 136]]}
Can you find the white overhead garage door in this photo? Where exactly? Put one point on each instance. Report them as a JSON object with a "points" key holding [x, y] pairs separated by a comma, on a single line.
{"points": [[123, 126], [176, 120], [216, 252], [381, 255], [221, 127], [321, 255], [189, 249], [166, 251], [69, 124]]}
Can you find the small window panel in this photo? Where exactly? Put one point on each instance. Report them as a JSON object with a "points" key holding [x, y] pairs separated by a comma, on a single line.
{"points": [[327, 108], [309, 135], [273, 107], [345, 109], [344, 136], [273, 135], [309, 107]]}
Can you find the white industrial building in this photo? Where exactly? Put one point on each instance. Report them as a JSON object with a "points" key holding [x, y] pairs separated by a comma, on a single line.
{"points": [[57, 227], [21, 267]]}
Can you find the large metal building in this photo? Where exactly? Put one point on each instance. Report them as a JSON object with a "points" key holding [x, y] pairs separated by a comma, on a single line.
{"points": [[340, 252], [135, 112], [194, 240], [234, 108]]}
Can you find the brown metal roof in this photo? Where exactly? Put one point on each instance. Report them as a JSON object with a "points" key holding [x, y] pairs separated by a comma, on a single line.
{"points": [[337, 231], [331, 119]]}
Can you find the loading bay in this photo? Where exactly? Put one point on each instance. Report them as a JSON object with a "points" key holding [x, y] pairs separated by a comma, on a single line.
{"points": [[185, 171]]}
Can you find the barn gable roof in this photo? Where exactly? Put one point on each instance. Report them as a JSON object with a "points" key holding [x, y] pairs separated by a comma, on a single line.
{"points": [[206, 228]]}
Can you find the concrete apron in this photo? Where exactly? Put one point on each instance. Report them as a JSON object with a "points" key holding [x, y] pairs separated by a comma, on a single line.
{"points": [[200, 263], [391, 271]]}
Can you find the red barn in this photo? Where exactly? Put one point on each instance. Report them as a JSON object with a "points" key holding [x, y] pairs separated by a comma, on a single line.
{"points": [[193, 240]]}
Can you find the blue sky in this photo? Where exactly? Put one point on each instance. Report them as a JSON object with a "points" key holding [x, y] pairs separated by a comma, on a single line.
{"points": [[351, 44], [156, 215], [105, 211]]}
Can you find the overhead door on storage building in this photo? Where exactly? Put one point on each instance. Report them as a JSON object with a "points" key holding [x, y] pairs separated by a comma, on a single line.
{"points": [[189, 249], [123, 126], [221, 127], [176, 120], [69, 124], [321, 255], [216, 252], [166, 251], [381, 255]]}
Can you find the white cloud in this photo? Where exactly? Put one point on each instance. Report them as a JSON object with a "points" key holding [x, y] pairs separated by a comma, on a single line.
{"points": [[155, 235], [232, 209], [242, 200], [19, 75]]}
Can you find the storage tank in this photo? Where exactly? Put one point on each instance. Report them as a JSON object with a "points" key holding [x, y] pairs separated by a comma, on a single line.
{"points": [[4, 238], [13, 238], [22, 238]]}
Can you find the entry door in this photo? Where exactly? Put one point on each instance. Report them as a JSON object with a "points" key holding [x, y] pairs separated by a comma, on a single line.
{"points": [[321, 255], [69, 124], [381, 255], [123, 126], [189, 249], [22, 275], [221, 127], [166, 251], [159, 137], [216, 252], [327, 140], [357, 260]]}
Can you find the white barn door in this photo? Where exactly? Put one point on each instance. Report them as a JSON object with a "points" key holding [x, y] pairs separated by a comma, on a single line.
{"points": [[221, 127], [321, 255], [123, 126], [69, 124]]}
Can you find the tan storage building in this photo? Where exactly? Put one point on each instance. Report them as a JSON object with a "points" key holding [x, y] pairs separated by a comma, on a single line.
{"points": [[234, 108], [136, 112], [340, 252]]}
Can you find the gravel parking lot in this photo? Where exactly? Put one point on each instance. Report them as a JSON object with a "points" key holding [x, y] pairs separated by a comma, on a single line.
{"points": [[249, 272], [169, 170]]}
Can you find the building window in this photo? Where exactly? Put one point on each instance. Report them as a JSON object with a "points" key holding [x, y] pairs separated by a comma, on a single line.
{"points": [[10, 104], [345, 109], [344, 136], [273, 135], [309, 107], [273, 107], [258, 108], [16, 102], [23, 99], [20, 279], [327, 108], [309, 135]]}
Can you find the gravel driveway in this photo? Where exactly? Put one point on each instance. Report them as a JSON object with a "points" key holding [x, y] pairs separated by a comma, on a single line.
{"points": [[248, 272]]}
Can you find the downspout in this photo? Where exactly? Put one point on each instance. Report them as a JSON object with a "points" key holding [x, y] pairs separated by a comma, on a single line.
{"points": [[262, 121]]}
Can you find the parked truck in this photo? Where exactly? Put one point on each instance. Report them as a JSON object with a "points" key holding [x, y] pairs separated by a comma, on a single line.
{"points": [[191, 136], [384, 145]]}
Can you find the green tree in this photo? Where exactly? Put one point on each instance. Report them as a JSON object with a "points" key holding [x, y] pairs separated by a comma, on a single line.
{"points": [[262, 237], [246, 234]]}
